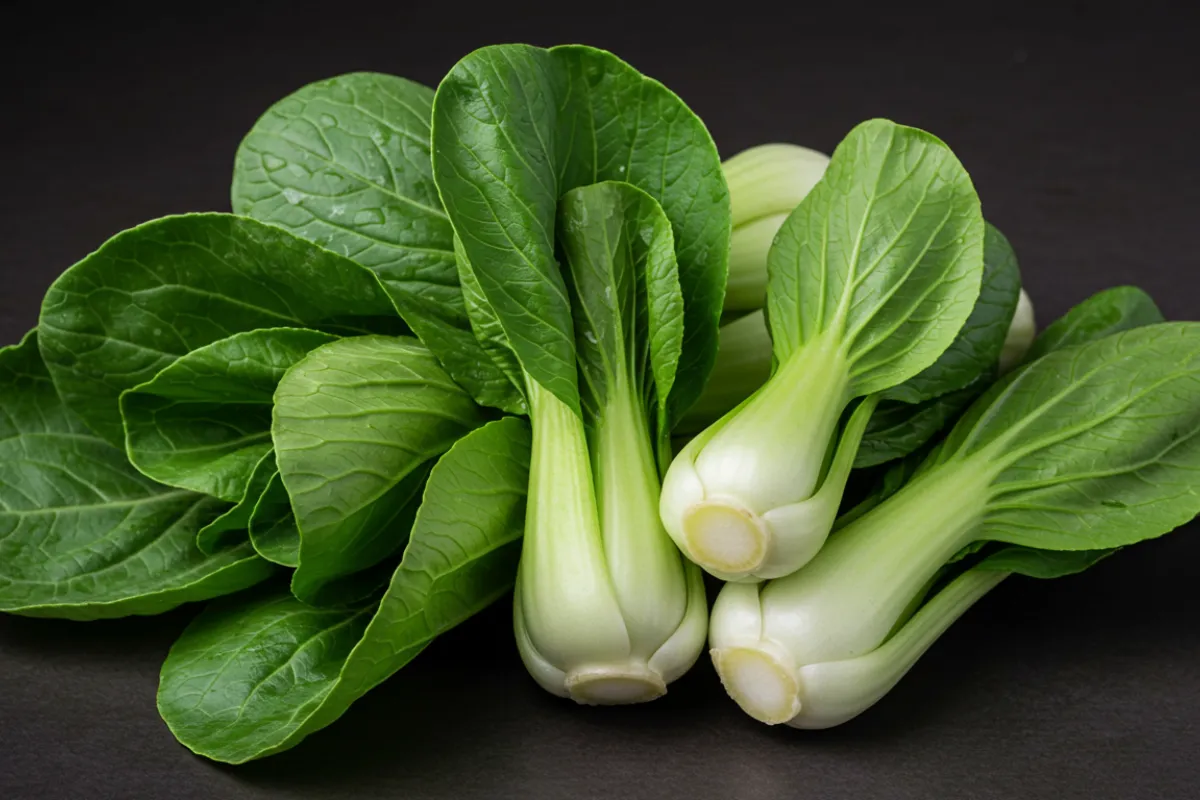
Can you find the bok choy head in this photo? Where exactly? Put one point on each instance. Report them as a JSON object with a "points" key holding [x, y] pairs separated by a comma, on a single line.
{"points": [[1090, 448], [592, 235], [872, 277]]}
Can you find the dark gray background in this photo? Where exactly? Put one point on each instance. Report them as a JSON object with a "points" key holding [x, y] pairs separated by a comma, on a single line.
{"points": [[1080, 130]]}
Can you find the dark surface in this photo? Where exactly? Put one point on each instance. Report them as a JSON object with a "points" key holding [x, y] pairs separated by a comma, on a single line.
{"points": [[1080, 132]]}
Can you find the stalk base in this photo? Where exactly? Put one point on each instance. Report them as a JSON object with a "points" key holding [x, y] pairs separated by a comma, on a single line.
{"points": [[614, 685], [725, 539], [759, 682]]}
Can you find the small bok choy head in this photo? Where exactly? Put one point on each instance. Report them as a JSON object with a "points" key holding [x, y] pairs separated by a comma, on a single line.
{"points": [[592, 234], [872, 277], [1090, 448]]}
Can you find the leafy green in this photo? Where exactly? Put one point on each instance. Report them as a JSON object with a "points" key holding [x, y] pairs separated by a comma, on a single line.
{"points": [[345, 163], [204, 422], [897, 429], [252, 678], [886, 251], [516, 127], [605, 609], [916, 410], [1111, 311], [356, 422], [976, 349], [627, 305], [1092, 445], [1042, 563], [273, 530], [1103, 314], [158, 291], [84, 535], [231, 527]]}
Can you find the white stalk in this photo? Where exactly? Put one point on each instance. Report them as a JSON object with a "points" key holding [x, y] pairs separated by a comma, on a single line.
{"points": [[1021, 333], [772, 644], [605, 610], [752, 498], [743, 364], [765, 183]]}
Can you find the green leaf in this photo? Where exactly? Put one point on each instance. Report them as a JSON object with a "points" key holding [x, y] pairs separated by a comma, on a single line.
{"points": [[1042, 563], [231, 527], [83, 535], [204, 422], [491, 336], [163, 289], [1111, 311], [355, 422], [250, 679], [885, 253], [624, 287], [1093, 446], [516, 127], [975, 351], [1103, 314], [273, 530], [897, 429], [345, 163]]}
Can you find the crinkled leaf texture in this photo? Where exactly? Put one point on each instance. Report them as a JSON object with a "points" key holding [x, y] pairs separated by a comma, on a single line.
{"points": [[885, 254], [357, 425], [345, 163], [252, 677], [163, 289], [84, 535], [204, 422], [516, 127]]}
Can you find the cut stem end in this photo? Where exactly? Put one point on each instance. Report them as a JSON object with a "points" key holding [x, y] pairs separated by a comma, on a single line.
{"points": [[614, 685], [760, 683], [725, 539]]}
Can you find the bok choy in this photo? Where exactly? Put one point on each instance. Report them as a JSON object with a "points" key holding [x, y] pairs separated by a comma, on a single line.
{"points": [[872, 277], [593, 271], [1088, 449]]}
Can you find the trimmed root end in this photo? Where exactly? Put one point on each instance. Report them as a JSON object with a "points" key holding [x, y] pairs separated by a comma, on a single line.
{"points": [[765, 688], [613, 686], [724, 538]]}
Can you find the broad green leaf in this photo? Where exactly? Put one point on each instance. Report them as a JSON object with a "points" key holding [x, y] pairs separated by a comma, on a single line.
{"points": [[627, 306], [885, 254], [1104, 313], [83, 535], [516, 127], [232, 526], [975, 351], [248, 679], [345, 163], [1042, 563], [1111, 311], [204, 422], [355, 424], [163, 289], [1093, 445], [273, 530]]}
